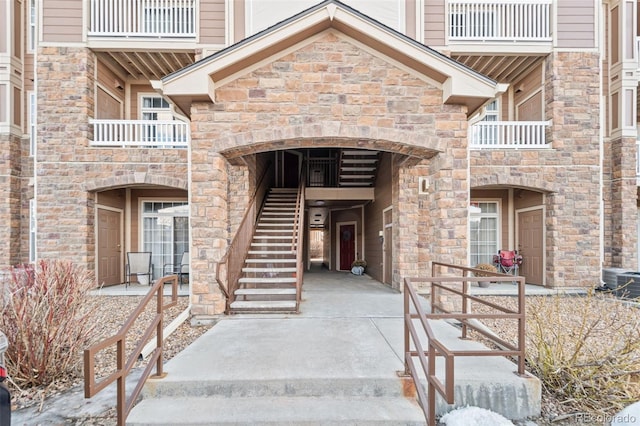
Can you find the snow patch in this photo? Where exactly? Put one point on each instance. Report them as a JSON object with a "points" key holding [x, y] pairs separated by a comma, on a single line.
{"points": [[474, 416]]}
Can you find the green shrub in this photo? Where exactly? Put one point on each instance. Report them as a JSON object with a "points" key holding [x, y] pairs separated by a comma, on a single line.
{"points": [[47, 319], [585, 352]]}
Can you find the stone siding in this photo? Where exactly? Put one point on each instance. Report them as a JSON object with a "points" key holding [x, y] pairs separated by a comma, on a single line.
{"points": [[330, 93]]}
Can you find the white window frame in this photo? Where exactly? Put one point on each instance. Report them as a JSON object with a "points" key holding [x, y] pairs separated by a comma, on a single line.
{"points": [[484, 215], [32, 105], [142, 110], [32, 230], [33, 29], [158, 267]]}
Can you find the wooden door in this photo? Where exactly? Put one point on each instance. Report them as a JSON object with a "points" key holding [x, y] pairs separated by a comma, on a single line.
{"points": [[109, 247], [530, 247], [347, 234]]}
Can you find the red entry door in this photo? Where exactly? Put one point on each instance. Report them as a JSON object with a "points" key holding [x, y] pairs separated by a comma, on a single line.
{"points": [[347, 246]]}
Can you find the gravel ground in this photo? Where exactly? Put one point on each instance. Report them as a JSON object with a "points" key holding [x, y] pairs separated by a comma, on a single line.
{"points": [[112, 311]]}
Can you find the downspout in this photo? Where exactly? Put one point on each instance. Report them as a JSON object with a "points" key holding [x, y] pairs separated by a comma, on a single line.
{"points": [[601, 134]]}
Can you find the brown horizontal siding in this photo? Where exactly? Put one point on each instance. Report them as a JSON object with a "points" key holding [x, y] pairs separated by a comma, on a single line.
{"points": [[212, 22], [62, 21], [576, 24], [434, 23]]}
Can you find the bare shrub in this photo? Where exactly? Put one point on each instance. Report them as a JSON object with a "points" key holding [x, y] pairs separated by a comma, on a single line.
{"points": [[47, 319], [586, 352]]}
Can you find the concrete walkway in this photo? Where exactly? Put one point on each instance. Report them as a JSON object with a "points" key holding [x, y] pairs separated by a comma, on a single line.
{"points": [[340, 356]]}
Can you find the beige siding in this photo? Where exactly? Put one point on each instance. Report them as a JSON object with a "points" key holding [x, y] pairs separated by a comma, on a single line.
{"points": [[212, 22], [528, 96], [410, 18], [115, 198], [17, 106], [62, 20], [17, 29], [3, 102], [135, 91], [373, 217], [434, 22], [3, 34], [576, 24]]}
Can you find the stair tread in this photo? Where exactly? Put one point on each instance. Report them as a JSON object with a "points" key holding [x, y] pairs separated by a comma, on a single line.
{"points": [[269, 269], [265, 291], [276, 280], [289, 252], [263, 304], [274, 261], [278, 410]]}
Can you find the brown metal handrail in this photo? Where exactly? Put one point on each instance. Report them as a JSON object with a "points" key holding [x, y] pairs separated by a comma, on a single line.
{"points": [[413, 310], [125, 364], [229, 268], [298, 232]]}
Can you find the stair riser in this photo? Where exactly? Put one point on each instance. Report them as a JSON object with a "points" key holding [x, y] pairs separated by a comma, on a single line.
{"points": [[265, 297], [295, 387]]}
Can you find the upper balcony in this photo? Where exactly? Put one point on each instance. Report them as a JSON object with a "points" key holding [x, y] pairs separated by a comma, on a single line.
{"points": [[509, 135], [140, 134], [143, 18], [499, 38]]}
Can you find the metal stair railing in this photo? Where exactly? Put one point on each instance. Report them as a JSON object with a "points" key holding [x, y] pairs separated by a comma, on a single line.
{"points": [[125, 364], [229, 268], [298, 232], [428, 352]]}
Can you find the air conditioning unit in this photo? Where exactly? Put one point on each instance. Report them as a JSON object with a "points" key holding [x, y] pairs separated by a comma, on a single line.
{"points": [[610, 276], [628, 285]]}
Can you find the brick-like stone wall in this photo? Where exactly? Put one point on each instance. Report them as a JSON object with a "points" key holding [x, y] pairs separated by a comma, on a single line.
{"points": [[568, 173], [621, 204], [331, 93], [10, 200], [69, 170]]}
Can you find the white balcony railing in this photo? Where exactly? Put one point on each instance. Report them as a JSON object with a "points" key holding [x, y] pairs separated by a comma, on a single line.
{"points": [[638, 161], [143, 18], [509, 134], [512, 20], [140, 133]]}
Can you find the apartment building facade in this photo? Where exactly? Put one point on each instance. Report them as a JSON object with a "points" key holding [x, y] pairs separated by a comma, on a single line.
{"points": [[427, 130]]}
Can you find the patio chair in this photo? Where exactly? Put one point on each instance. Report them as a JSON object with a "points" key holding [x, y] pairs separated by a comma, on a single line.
{"points": [[138, 264], [508, 261], [181, 269]]}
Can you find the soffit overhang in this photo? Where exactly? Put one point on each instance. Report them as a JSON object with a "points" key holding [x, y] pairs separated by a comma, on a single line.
{"points": [[198, 82]]}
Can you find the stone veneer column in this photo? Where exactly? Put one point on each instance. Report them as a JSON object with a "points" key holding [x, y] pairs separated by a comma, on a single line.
{"points": [[572, 219], [621, 205], [65, 211], [209, 219], [10, 170]]}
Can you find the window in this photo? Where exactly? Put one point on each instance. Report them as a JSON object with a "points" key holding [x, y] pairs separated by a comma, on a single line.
{"points": [[32, 26], [156, 108], [32, 123], [486, 133], [32, 230], [165, 232], [484, 231]]}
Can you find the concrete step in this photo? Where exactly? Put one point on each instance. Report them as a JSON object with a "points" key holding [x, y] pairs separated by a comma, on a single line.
{"points": [[273, 261], [288, 231], [265, 291], [263, 306], [269, 269], [271, 252], [279, 213], [309, 411], [275, 219], [271, 244], [247, 280], [272, 237]]}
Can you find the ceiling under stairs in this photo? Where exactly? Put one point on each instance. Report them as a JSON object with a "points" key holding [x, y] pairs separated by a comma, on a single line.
{"points": [[357, 167]]}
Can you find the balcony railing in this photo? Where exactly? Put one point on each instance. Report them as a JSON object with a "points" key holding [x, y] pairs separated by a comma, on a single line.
{"points": [[143, 18], [509, 134], [499, 20], [140, 133], [638, 161]]}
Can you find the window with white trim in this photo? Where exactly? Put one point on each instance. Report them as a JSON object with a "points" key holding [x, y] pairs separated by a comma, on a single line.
{"points": [[156, 108], [484, 231], [32, 122], [165, 232], [488, 134], [32, 34], [32, 230]]}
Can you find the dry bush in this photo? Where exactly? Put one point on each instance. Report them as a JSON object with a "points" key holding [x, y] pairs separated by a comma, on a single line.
{"points": [[585, 352], [46, 320]]}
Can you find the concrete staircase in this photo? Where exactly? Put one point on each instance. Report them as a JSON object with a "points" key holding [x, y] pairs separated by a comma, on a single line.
{"points": [[268, 280]]}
